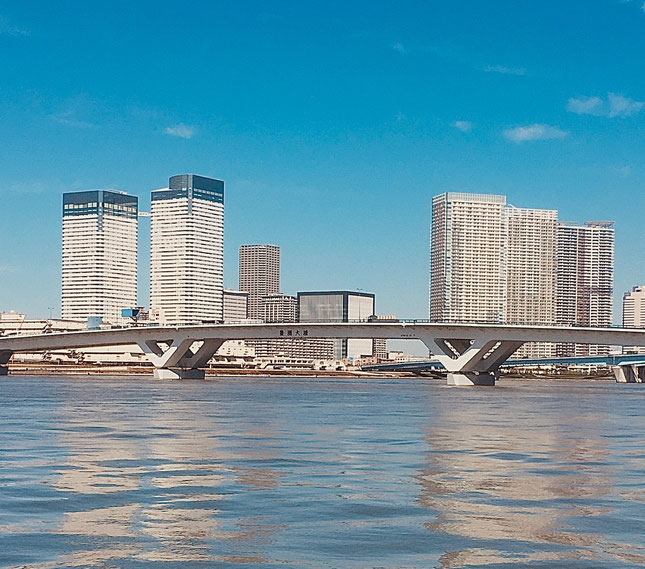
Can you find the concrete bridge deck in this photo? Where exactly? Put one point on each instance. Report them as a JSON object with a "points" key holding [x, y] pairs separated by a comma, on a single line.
{"points": [[470, 353]]}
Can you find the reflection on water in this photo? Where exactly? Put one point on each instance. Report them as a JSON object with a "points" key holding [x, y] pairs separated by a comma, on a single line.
{"points": [[514, 479], [245, 472]]}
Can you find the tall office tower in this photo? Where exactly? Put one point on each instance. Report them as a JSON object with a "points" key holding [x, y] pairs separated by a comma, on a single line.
{"points": [[339, 306], [186, 250], [235, 305], [634, 313], [467, 280], [585, 275], [530, 266], [99, 254], [259, 274]]}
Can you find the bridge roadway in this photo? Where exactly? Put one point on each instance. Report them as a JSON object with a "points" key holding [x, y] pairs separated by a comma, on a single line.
{"points": [[470, 353]]}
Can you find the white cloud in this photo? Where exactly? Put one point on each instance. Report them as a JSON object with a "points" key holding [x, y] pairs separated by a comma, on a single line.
{"points": [[586, 105], [463, 126], [616, 105], [534, 132], [181, 130], [620, 106], [505, 70], [398, 47], [8, 29]]}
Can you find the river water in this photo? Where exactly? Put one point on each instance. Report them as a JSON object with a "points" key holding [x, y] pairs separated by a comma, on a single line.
{"points": [[281, 472]]}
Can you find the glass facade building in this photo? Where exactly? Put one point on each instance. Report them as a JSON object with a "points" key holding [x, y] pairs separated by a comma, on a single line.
{"points": [[99, 254], [187, 245], [339, 306]]}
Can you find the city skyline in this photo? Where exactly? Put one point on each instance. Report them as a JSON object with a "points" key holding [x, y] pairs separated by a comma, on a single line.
{"points": [[317, 139]]}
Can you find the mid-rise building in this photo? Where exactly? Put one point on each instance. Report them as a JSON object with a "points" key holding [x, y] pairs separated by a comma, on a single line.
{"points": [[279, 307], [99, 254], [634, 308], [585, 276], [259, 274], [634, 312], [235, 305], [186, 250], [339, 306], [275, 309]]}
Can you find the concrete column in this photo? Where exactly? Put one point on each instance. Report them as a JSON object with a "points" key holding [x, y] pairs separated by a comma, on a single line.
{"points": [[178, 373], [467, 379], [471, 362], [5, 356], [179, 361]]}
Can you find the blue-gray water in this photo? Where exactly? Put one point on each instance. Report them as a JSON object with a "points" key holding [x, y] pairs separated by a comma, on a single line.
{"points": [[129, 472]]}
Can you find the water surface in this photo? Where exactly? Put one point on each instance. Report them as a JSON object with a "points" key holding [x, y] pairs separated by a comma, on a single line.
{"points": [[282, 472]]}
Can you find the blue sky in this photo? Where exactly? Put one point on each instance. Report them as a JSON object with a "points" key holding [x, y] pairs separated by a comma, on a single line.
{"points": [[332, 123]]}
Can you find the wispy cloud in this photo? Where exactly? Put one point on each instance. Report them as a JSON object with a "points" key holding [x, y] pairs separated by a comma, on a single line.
{"points": [[615, 105], [623, 171], [68, 117], [398, 47], [463, 126], [505, 70], [27, 188], [181, 130], [77, 112], [527, 133], [9, 29]]}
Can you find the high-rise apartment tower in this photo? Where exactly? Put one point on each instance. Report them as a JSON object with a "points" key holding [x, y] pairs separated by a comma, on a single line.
{"points": [[186, 250], [493, 262], [99, 254], [585, 280], [467, 278], [259, 274]]}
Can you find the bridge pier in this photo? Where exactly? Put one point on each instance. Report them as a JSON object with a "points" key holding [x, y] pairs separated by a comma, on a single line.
{"points": [[466, 379], [629, 373], [178, 373], [5, 356], [471, 361], [179, 359]]}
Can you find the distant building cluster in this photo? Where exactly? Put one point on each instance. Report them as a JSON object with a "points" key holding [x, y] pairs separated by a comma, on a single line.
{"points": [[495, 263], [100, 262], [490, 262]]}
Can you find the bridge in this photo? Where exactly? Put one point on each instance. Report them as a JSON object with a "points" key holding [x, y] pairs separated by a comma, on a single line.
{"points": [[628, 368], [470, 353]]}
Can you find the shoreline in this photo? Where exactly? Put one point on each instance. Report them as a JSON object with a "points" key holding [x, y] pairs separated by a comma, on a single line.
{"points": [[20, 369]]}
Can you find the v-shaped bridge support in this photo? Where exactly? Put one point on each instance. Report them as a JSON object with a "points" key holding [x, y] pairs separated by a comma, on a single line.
{"points": [[179, 359], [471, 362]]}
